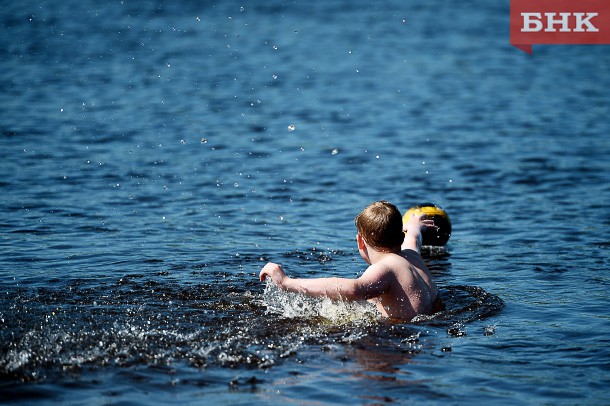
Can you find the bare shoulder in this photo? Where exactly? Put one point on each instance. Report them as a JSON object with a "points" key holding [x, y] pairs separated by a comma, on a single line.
{"points": [[392, 265], [413, 257], [382, 272], [418, 269], [377, 270]]}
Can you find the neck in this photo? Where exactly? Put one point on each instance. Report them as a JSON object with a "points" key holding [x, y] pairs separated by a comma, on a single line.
{"points": [[375, 255]]}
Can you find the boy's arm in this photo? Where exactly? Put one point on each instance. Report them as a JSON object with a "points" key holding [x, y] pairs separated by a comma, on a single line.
{"points": [[372, 283], [412, 228]]}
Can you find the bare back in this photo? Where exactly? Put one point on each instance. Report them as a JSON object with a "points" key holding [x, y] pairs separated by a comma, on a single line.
{"points": [[409, 287]]}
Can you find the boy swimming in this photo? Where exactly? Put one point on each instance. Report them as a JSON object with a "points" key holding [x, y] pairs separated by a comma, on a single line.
{"points": [[397, 281]]}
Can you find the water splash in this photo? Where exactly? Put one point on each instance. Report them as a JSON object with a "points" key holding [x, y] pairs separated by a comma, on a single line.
{"points": [[291, 305], [134, 322]]}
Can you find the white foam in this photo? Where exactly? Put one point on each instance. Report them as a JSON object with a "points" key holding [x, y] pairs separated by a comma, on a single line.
{"points": [[291, 305]]}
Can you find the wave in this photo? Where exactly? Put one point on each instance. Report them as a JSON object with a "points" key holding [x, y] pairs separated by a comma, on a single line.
{"points": [[132, 322]]}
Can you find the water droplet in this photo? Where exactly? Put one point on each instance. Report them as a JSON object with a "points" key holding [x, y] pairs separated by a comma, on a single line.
{"points": [[291, 127]]}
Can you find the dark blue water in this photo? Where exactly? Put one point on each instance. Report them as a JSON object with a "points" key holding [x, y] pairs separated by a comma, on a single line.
{"points": [[155, 155]]}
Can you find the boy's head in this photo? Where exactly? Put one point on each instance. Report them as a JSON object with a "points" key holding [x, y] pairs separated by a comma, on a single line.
{"points": [[380, 225]]}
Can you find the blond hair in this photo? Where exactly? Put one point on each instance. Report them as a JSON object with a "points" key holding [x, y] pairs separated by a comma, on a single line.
{"points": [[380, 224]]}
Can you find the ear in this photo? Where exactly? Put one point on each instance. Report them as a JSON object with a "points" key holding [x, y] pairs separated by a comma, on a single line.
{"points": [[361, 245]]}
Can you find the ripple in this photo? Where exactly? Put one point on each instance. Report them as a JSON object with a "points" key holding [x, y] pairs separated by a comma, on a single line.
{"points": [[138, 321]]}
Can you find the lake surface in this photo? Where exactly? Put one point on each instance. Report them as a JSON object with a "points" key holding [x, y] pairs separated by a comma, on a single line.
{"points": [[155, 155]]}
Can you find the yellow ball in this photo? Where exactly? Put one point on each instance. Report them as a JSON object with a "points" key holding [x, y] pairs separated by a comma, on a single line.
{"points": [[430, 235]]}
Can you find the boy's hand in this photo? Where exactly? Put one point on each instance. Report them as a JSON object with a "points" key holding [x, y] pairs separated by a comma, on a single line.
{"points": [[415, 223], [275, 272], [412, 227]]}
